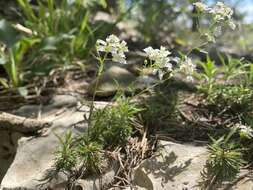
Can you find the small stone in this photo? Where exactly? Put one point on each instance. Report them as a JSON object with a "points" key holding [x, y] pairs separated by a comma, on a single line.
{"points": [[120, 78], [111, 80]]}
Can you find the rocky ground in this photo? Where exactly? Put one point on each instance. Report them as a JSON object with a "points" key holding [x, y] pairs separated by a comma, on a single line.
{"points": [[26, 159]]}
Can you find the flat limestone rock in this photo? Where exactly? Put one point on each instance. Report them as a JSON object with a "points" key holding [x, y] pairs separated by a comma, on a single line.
{"points": [[177, 167], [35, 155]]}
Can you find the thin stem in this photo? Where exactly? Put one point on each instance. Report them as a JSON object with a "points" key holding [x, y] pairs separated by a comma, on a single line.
{"points": [[13, 71], [100, 70], [152, 86]]}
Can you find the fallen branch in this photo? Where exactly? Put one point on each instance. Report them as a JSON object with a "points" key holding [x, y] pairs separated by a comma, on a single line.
{"points": [[21, 124]]}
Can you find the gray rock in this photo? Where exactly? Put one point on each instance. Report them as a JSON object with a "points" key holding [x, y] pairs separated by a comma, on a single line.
{"points": [[57, 102], [118, 78], [177, 167], [95, 183], [63, 100], [111, 80], [8, 146], [35, 155]]}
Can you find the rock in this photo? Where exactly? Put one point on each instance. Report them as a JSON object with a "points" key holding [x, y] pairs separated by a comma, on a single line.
{"points": [[8, 146], [63, 100], [177, 167], [95, 183], [111, 80], [118, 77], [35, 155], [57, 102]]}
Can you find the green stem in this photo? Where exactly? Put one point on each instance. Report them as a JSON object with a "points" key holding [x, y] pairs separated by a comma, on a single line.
{"points": [[13, 69], [100, 70], [152, 86]]}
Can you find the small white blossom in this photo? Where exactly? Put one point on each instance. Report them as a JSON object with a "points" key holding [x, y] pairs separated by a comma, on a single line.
{"points": [[113, 45], [119, 57], [176, 59], [217, 31], [101, 46], [159, 56], [112, 39], [168, 66], [201, 6], [232, 25], [221, 12], [189, 78], [159, 72], [161, 60], [187, 67], [122, 47]]}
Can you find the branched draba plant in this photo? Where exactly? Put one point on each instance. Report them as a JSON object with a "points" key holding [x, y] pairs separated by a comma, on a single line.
{"points": [[221, 16], [111, 126]]}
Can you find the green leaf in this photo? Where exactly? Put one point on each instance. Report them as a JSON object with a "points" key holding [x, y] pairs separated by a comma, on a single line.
{"points": [[27, 9], [8, 35], [103, 3]]}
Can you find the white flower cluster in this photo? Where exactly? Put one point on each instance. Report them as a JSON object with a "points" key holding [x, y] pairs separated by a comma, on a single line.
{"points": [[161, 60], [187, 67], [159, 56], [220, 13], [201, 7], [113, 45], [162, 63]]}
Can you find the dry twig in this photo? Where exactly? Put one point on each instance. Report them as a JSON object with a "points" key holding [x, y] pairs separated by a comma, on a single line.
{"points": [[21, 124]]}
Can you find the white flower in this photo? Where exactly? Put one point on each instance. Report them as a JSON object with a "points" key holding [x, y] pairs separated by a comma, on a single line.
{"points": [[189, 78], [201, 6], [113, 45], [168, 66], [119, 57], [163, 52], [152, 53], [159, 72], [221, 12], [176, 59], [232, 25], [217, 31], [159, 56], [101, 46], [112, 39], [161, 60], [188, 67], [122, 47]]}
